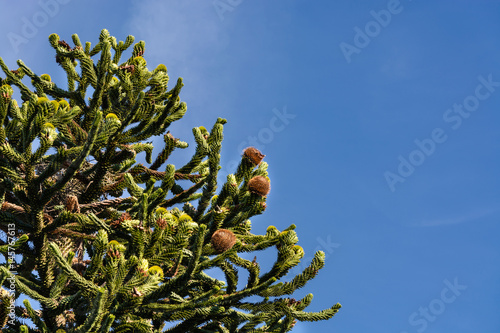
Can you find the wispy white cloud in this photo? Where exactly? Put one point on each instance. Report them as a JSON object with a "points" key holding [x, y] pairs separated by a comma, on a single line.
{"points": [[477, 214]]}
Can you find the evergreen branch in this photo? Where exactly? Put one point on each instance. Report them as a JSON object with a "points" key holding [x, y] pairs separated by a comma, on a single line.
{"points": [[71, 233], [93, 320], [5, 305], [298, 281], [256, 290], [96, 263], [198, 247], [251, 266], [75, 165], [11, 153], [25, 92], [74, 276], [183, 195], [23, 288], [61, 280], [54, 166], [229, 190], [17, 244], [214, 142], [193, 318], [202, 150], [170, 144], [106, 325], [106, 203], [315, 316], [35, 317], [7, 206]]}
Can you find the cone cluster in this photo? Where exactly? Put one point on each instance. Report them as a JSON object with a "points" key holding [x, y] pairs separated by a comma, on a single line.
{"points": [[259, 185], [254, 155], [223, 240]]}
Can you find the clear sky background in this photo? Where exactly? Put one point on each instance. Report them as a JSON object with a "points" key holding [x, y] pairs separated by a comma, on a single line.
{"points": [[380, 121]]}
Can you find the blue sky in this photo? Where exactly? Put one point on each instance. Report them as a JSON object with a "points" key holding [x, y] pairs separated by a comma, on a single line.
{"points": [[379, 120]]}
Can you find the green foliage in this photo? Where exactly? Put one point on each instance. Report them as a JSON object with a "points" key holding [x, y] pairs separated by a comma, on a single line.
{"points": [[99, 261]]}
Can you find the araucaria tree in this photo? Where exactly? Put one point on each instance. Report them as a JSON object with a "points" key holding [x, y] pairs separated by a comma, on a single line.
{"points": [[106, 244]]}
